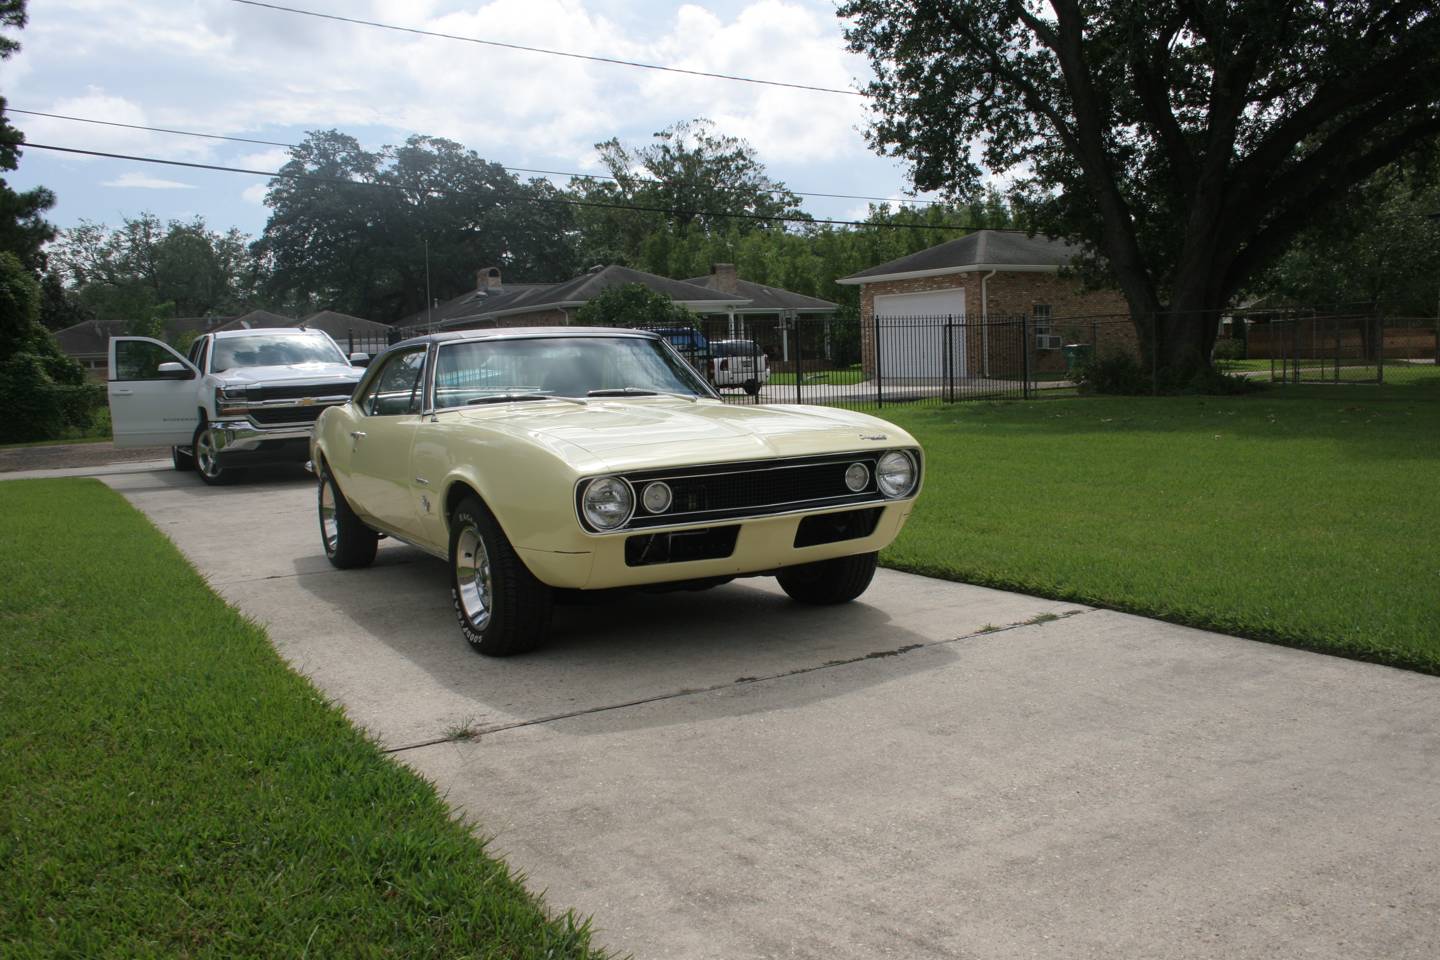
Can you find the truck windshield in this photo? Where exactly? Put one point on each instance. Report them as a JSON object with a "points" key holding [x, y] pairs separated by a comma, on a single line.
{"points": [[560, 367], [274, 350]]}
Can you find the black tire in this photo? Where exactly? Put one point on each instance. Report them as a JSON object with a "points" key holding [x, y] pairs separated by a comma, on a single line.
{"points": [[502, 609], [207, 461], [182, 459], [829, 581], [347, 541], [752, 387]]}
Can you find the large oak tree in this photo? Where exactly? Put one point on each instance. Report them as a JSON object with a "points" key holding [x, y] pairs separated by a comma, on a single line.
{"points": [[1186, 142]]}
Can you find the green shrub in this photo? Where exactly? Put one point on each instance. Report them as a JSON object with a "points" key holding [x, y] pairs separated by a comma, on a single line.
{"points": [[79, 404], [1114, 373], [33, 411], [1229, 348], [1213, 382]]}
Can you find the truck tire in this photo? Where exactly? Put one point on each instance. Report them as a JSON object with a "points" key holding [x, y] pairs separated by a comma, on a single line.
{"points": [[207, 459], [752, 387]]}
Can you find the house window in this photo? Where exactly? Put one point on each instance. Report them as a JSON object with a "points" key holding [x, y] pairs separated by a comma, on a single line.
{"points": [[1043, 318], [1043, 322]]}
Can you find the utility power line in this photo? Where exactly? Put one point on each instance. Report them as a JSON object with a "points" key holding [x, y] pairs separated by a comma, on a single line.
{"points": [[541, 200], [554, 53], [552, 173]]}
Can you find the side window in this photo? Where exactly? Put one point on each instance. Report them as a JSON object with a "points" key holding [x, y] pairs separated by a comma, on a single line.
{"points": [[140, 360], [1043, 317], [397, 388], [198, 349]]}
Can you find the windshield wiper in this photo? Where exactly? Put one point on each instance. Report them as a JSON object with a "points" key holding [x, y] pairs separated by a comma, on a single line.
{"points": [[638, 392], [511, 397]]}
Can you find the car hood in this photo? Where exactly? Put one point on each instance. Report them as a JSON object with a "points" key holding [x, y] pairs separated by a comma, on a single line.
{"points": [[298, 371], [630, 434]]}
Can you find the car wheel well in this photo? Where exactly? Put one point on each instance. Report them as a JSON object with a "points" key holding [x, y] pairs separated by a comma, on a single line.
{"points": [[458, 491]]}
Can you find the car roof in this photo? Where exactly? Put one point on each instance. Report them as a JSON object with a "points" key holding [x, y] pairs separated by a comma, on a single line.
{"points": [[525, 333]]}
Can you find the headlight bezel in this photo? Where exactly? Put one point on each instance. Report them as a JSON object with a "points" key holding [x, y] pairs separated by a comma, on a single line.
{"points": [[584, 504], [897, 493]]}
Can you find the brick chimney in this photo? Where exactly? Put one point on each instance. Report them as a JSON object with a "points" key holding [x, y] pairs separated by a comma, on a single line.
{"points": [[724, 278], [487, 278]]}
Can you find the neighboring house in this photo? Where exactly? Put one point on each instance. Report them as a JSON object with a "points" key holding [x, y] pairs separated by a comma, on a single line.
{"points": [[88, 343], [972, 294], [770, 313], [496, 304]]}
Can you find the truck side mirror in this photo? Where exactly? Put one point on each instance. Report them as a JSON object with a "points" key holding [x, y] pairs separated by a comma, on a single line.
{"points": [[360, 359], [170, 370]]}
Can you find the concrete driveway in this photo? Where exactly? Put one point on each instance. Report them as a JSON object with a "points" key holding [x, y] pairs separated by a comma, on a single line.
{"points": [[935, 771]]}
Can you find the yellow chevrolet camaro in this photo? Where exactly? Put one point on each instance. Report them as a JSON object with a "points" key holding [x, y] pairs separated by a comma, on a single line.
{"points": [[571, 458]]}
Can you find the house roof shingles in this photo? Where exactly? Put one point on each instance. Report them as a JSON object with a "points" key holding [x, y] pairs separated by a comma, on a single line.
{"points": [[983, 249], [765, 299]]}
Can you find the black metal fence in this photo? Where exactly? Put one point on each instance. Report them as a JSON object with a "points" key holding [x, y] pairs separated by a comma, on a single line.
{"points": [[1335, 348], [893, 359]]}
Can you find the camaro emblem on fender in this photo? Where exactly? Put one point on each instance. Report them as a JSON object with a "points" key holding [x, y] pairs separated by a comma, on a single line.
{"points": [[874, 436], [424, 503]]}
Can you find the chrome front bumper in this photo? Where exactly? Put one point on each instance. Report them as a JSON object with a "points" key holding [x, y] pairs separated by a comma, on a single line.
{"points": [[241, 439]]}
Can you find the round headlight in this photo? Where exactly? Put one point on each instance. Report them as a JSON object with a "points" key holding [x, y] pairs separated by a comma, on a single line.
{"points": [[607, 502], [857, 475], [656, 497], [895, 474]]}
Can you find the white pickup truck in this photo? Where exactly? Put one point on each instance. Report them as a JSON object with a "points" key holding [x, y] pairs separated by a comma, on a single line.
{"points": [[242, 397]]}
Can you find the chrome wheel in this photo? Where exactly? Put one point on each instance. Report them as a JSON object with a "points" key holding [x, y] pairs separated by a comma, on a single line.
{"points": [[329, 526], [472, 577], [206, 456]]}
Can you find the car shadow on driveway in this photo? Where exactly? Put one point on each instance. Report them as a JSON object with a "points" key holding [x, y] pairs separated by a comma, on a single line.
{"points": [[395, 657]]}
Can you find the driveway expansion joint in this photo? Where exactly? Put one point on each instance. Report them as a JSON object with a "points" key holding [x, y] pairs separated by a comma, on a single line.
{"points": [[473, 734]]}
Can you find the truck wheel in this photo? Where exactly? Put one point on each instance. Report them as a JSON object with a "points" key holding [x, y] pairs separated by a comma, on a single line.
{"points": [[829, 581], [348, 542], [207, 458], [182, 458], [502, 608], [752, 387]]}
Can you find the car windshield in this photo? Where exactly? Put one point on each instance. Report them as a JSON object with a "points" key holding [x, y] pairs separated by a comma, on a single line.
{"points": [[532, 368], [274, 350]]}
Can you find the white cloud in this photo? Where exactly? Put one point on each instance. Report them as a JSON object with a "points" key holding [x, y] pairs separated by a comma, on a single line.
{"points": [[142, 182], [255, 194]]}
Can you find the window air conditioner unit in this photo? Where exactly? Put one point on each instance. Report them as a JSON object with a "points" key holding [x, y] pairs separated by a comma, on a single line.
{"points": [[1047, 341]]}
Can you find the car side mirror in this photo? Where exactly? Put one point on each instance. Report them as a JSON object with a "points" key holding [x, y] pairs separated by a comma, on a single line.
{"points": [[171, 370], [360, 359]]}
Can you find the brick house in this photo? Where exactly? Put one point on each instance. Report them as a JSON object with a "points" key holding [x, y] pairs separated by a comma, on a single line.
{"points": [[999, 299]]}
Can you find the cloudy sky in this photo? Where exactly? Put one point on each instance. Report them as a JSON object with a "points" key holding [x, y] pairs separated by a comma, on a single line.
{"points": [[223, 67]]}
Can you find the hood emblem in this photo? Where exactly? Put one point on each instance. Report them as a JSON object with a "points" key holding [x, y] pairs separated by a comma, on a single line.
{"points": [[873, 436]]}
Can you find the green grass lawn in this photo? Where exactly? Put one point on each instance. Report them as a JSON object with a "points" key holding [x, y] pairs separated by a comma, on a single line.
{"points": [[824, 377], [1300, 514], [169, 787]]}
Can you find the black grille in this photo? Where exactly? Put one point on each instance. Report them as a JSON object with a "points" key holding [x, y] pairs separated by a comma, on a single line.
{"points": [[733, 491], [753, 488], [269, 416], [294, 391], [708, 543]]}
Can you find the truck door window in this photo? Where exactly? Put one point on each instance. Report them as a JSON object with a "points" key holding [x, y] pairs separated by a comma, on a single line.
{"points": [[140, 360]]}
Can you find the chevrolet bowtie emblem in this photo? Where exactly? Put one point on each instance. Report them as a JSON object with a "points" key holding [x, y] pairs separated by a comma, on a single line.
{"points": [[307, 401]]}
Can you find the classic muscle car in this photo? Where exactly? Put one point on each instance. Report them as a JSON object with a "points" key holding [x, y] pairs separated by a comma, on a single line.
{"points": [[545, 459]]}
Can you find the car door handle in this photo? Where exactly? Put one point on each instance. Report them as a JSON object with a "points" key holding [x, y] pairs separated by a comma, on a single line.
{"points": [[357, 434], [123, 393]]}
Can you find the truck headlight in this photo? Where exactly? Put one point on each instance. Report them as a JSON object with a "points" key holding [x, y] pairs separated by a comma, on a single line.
{"points": [[895, 474], [607, 503], [230, 400]]}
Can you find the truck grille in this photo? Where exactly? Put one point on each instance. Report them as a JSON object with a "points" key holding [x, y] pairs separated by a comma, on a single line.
{"points": [[274, 416], [295, 391]]}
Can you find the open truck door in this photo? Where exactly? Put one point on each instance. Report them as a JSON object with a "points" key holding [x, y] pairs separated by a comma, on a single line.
{"points": [[153, 394]]}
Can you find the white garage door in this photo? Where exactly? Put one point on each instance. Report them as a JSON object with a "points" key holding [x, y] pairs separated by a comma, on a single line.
{"points": [[912, 334]]}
